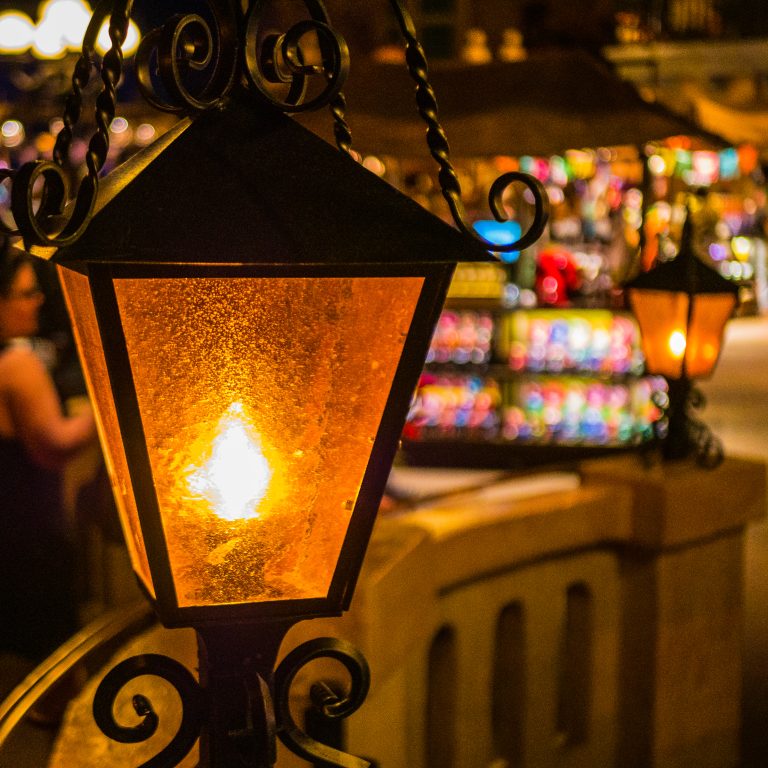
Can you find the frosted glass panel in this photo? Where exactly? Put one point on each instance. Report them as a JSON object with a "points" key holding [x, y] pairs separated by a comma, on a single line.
{"points": [[260, 400], [664, 343], [80, 303], [711, 312]]}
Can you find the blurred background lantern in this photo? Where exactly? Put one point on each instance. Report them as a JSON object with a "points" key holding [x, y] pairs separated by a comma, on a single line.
{"points": [[682, 307]]}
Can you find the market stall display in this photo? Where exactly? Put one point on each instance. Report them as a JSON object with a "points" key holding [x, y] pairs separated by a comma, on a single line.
{"points": [[536, 357]]}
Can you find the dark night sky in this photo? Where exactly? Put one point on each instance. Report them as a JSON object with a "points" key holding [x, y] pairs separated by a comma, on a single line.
{"points": [[364, 18]]}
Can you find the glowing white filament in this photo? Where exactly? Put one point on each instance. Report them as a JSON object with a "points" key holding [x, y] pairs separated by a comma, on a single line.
{"points": [[236, 476], [677, 343]]}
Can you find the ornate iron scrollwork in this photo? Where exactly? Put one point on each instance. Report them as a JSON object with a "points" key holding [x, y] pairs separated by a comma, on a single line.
{"points": [[191, 63], [195, 706], [327, 703], [679, 423], [280, 59], [187, 44], [192, 699], [47, 224], [706, 445]]}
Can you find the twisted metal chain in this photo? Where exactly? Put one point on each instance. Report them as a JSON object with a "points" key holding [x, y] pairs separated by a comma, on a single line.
{"points": [[341, 129], [426, 102], [111, 70], [73, 106], [47, 224], [437, 142]]}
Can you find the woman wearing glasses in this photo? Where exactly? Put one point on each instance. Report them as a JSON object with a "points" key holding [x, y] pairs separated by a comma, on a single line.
{"points": [[37, 605]]}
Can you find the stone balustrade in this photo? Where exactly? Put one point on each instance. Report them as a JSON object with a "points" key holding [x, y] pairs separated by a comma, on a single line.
{"points": [[595, 626], [595, 623]]}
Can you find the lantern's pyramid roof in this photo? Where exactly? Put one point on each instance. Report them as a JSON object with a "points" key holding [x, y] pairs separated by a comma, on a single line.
{"points": [[686, 273], [248, 184]]}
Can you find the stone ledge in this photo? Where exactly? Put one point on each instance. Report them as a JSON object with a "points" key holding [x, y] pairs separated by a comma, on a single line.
{"points": [[416, 558], [677, 503], [510, 534]]}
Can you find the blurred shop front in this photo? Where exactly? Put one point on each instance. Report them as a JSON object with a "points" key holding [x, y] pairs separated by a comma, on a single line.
{"points": [[535, 358]]}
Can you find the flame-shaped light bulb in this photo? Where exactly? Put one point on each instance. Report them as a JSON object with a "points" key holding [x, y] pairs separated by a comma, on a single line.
{"points": [[236, 476], [677, 344]]}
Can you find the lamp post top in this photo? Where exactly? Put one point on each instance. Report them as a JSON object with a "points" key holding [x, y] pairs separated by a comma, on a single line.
{"points": [[686, 273], [196, 65], [217, 184]]}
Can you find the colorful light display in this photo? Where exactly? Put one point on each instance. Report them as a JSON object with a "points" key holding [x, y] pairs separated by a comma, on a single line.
{"points": [[566, 377]]}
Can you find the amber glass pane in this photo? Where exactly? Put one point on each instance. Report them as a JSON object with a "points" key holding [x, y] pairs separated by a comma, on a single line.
{"points": [[260, 400], [710, 314], [662, 317], [78, 295]]}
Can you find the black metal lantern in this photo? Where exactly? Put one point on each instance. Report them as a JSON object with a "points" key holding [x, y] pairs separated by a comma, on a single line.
{"points": [[253, 309], [682, 307], [252, 378]]}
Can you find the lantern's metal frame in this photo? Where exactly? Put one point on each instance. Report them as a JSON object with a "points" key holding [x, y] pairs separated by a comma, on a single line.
{"points": [[165, 600], [192, 64]]}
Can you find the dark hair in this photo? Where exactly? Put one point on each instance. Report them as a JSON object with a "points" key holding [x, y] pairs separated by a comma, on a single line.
{"points": [[11, 261]]}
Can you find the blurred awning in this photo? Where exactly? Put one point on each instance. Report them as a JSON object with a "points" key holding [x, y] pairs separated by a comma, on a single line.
{"points": [[737, 123], [543, 105]]}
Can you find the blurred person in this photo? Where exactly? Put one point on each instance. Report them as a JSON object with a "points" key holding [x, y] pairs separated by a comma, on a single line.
{"points": [[38, 608]]}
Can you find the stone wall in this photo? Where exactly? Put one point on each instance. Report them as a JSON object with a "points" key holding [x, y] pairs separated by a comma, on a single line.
{"points": [[598, 626]]}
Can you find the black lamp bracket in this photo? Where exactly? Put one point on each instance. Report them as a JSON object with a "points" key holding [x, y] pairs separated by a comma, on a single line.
{"points": [[191, 64], [242, 708], [681, 433], [708, 447], [703, 444]]}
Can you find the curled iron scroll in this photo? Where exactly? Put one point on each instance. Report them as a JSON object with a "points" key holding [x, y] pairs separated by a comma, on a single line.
{"points": [[278, 59], [187, 48], [707, 447], [192, 700], [437, 141], [47, 224], [330, 706]]}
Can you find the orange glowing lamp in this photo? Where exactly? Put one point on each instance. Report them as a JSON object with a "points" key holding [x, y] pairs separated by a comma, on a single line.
{"points": [[682, 307], [253, 310]]}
